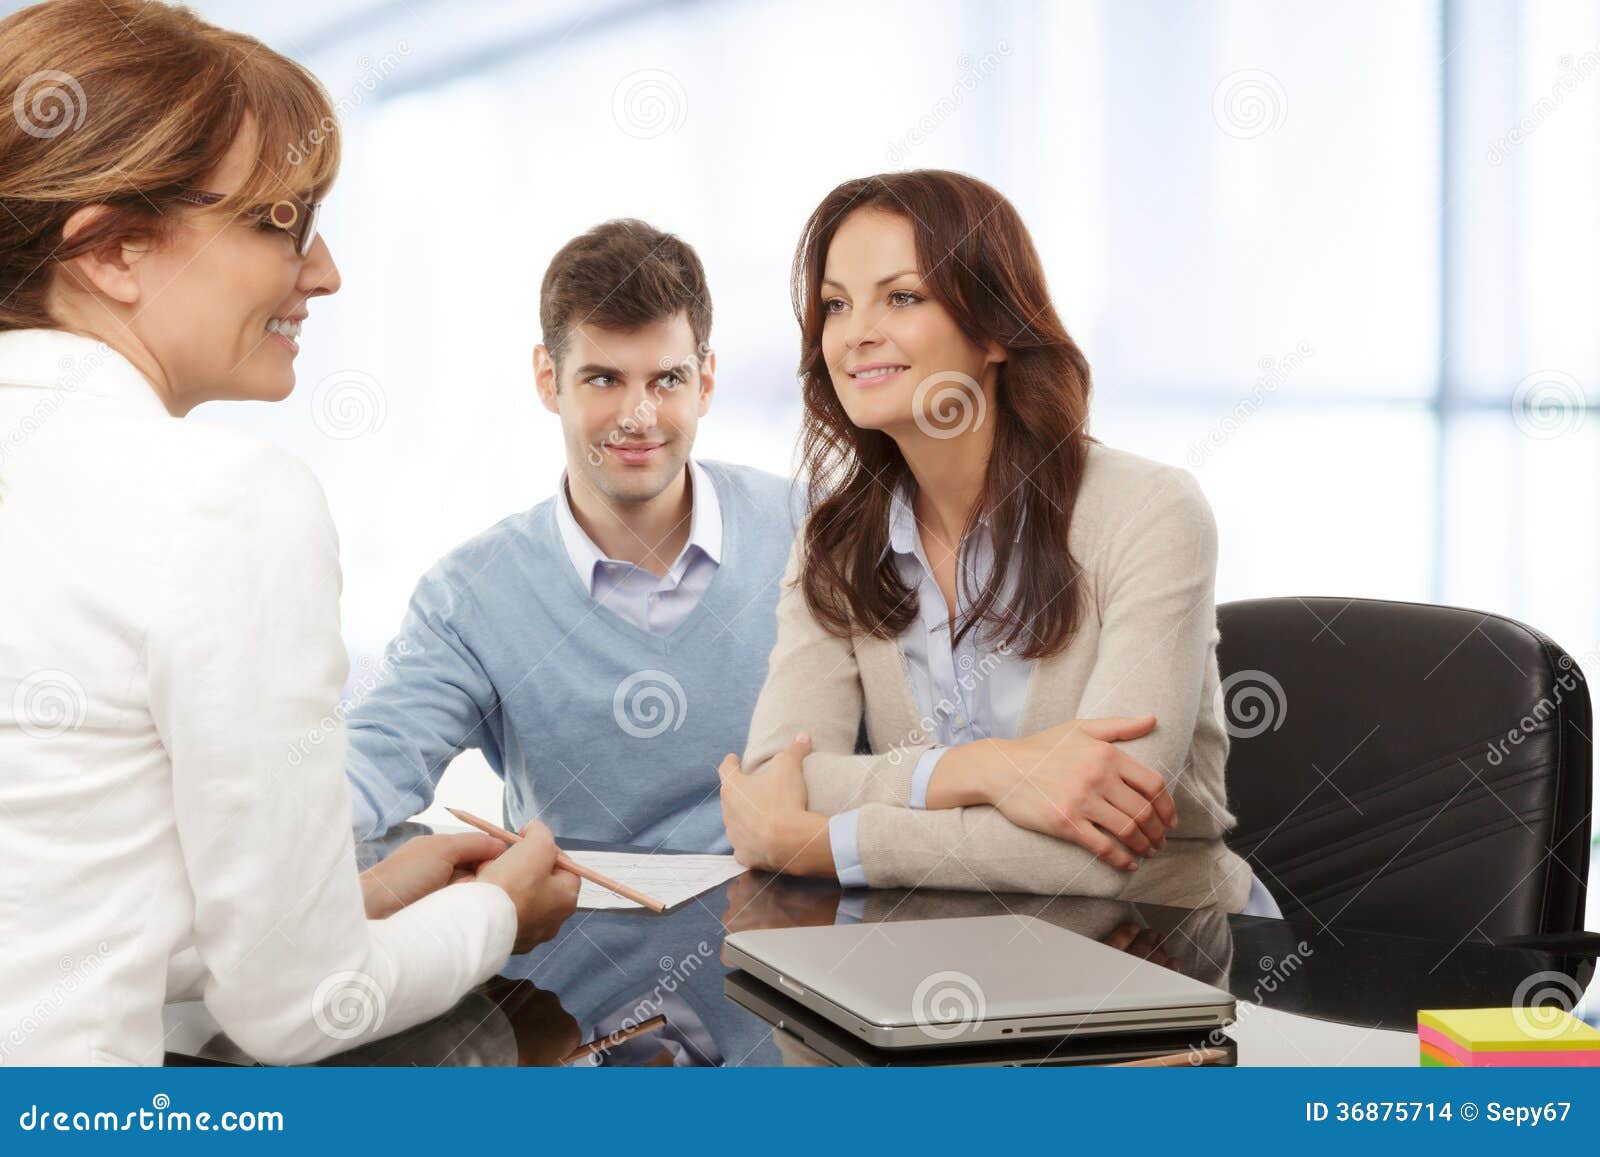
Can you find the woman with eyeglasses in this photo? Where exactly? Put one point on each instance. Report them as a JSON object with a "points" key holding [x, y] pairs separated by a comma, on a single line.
{"points": [[1019, 617], [173, 806]]}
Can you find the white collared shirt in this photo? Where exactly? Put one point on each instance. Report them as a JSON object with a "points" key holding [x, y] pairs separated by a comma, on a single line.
{"points": [[173, 803], [658, 604]]}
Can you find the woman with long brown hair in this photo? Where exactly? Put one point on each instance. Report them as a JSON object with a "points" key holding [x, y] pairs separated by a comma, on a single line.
{"points": [[173, 803], [996, 656]]}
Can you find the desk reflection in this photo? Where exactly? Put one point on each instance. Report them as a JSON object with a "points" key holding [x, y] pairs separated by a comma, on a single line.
{"points": [[609, 971]]}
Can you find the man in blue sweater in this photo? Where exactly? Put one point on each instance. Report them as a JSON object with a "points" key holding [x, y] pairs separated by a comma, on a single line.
{"points": [[605, 648]]}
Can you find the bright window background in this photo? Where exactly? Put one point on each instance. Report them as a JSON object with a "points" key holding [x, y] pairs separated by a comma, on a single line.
{"points": [[1340, 260]]}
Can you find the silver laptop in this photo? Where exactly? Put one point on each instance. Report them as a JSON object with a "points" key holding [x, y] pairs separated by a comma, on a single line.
{"points": [[922, 983], [831, 1045]]}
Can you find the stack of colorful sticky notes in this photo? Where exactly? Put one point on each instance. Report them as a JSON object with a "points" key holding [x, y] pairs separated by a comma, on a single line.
{"points": [[1482, 1037]]}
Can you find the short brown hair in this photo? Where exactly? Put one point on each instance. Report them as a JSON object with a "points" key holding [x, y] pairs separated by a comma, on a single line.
{"points": [[126, 103], [622, 275]]}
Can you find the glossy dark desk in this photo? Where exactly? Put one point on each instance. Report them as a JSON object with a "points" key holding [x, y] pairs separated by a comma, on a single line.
{"points": [[1307, 995]]}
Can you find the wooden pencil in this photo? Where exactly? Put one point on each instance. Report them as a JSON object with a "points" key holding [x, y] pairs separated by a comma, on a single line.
{"points": [[1173, 1060], [565, 861], [600, 1044]]}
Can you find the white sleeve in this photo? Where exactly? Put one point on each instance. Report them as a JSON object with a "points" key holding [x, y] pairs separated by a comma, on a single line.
{"points": [[246, 666], [186, 976]]}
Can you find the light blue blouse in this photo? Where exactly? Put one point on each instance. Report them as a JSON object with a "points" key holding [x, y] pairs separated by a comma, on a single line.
{"points": [[964, 691]]}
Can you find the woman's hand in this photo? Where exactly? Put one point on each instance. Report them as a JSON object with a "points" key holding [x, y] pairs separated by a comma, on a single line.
{"points": [[422, 865], [1069, 781], [544, 894], [766, 817]]}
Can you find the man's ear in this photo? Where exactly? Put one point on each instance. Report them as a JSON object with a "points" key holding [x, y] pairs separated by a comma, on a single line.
{"points": [[544, 377], [107, 270], [708, 380]]}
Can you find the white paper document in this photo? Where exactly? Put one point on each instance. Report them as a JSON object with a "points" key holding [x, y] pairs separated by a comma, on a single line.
{"points": [[668, 878]]}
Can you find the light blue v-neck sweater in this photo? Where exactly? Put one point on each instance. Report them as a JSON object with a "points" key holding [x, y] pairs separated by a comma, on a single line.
{"points": [[600, 729]]}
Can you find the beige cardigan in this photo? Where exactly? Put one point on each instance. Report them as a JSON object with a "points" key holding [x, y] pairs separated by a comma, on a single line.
{"points": [[1145, 537]]}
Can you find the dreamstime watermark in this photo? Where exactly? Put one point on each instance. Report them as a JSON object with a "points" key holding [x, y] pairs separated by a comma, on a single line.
{"points": [[49, 703], [1274, 372], [1249, 703], [372, 75], [49, 103], [160, 1117], [948, 404], [972, 673], [74, 972], [649, 103], [1569, 679], [642, 418], [970, 74], [1249, 103], [687, 368], [1544, 1003], [349, 404], [75, 372], [1275, 973], [1574, 71], [674, 974], [649, 703], [948, 1004], [1549, 404], [360, 687], [348, 1004]]}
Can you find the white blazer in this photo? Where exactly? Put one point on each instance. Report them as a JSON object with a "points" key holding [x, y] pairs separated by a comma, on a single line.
{"points": [[174, 814]]}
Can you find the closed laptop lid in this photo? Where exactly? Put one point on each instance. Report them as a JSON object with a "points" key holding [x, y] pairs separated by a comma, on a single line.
{"points": [[977, 968], [839, 1046]]}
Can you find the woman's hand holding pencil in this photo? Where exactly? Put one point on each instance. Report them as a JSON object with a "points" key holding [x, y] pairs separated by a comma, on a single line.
{"points": [[544, 891], [563, 860]]}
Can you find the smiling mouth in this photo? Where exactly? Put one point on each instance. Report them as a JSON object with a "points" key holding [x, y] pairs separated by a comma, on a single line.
{"points": [[633, 452], [286, 330], [871, 375]]}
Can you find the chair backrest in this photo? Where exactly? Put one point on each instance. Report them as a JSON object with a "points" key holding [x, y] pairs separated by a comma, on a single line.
{"points": [[1407, 767]]}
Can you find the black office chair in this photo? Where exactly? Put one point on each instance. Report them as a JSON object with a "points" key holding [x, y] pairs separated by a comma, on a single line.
{"points": [[1407, 768]]}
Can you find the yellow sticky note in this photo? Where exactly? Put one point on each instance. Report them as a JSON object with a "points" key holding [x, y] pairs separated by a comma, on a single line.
{"points": [[1511, 1029]]}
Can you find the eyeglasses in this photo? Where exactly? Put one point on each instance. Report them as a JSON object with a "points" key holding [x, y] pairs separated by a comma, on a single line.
{"points": [[295, 217]]}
